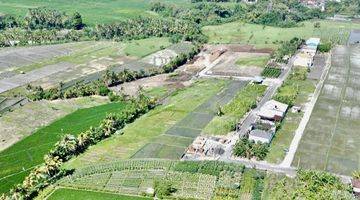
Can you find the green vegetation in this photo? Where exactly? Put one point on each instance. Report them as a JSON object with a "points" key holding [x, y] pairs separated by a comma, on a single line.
{"points": [[351, 8], [29, 152], [156, 123], [325, 47], [71, 145], [287, 49], [290, 89], [309, 185], [249, 149], [67, 194], [267, 36], [356, 175], [258, 61], [144, 47], [92, 11], [282, 13], [202, 180], [245, 100], [163, 189], [271, 72]]}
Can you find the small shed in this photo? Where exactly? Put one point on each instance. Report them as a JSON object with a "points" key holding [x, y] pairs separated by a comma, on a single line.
{"points": [[262, 136], [313, 42], [356, 185]]}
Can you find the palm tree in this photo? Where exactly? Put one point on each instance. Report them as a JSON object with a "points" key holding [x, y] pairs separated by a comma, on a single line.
{"points": [[356, 175]]}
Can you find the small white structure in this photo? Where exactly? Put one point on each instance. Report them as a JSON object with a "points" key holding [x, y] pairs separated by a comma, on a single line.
{"points": [[273, 110], [313, 42], [262, 136]]}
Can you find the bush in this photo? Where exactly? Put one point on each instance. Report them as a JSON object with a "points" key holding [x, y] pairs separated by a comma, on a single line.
{"points": [[325, 47], [163, 189], [249, 149]]}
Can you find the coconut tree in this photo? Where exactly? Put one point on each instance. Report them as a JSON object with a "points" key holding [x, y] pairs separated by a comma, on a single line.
{"points": [[356, 175]]}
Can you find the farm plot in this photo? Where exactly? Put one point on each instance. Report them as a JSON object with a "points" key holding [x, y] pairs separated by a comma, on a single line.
{"points": [[26, 119], [151, 127], [17, 160], [334, 146], [241, 64], [136, 181], [190, 126], [11, 58], [87, 62], [23, 79]]}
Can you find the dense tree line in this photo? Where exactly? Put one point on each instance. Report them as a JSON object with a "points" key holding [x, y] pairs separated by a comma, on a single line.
{"points": [[282, 13], [43, 18], [144, 27], [23, 37], [347, 7], [71, 145]]}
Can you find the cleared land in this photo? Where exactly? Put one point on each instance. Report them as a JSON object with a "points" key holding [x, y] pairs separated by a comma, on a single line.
{"points": [[266, 36], [82, 60], [241, 64], [93, 11], [331, 138], [17, 160], [153, 130]]}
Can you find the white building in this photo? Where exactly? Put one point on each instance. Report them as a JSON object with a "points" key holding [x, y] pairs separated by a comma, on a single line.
{"points": [[262, 136], [273, 110]]}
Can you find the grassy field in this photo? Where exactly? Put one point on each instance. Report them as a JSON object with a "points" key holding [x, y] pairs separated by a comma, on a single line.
{"points": [[24, 120], [93, 12], [73, 194], [334, 146], [29, 152], [144, 47], [266, 36], [235, 110], [151, 127], [259, 61]]}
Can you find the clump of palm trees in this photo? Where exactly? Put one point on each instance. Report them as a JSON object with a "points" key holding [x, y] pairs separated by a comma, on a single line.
{"points": [[71, 145]]}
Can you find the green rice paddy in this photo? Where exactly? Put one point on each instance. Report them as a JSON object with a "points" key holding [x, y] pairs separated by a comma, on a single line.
{"points": [[17, 160]]}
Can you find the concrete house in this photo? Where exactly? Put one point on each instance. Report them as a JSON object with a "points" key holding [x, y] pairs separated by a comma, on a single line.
{"points": [[273, 110], [262, 136]]}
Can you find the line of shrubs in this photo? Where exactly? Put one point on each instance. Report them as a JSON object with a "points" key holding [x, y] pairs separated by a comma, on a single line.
{"points": [[110, 78], [71, 145]]}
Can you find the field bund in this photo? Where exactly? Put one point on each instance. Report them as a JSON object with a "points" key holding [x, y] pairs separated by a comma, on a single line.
{"points": [[331, 138]]}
